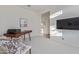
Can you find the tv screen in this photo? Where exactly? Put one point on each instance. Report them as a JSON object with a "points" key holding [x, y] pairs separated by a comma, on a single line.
{"points": [[69, 23]]}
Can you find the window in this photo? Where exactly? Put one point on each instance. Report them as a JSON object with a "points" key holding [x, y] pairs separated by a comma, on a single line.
{"points": [[56, 14], [53, 30]]}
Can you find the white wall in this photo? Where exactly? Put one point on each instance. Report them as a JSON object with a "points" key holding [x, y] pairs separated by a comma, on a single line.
{"points": [[71, 36], [9, 17]]}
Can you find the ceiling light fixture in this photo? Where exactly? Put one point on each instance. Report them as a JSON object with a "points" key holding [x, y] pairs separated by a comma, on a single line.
{"points": [[28, 5]]}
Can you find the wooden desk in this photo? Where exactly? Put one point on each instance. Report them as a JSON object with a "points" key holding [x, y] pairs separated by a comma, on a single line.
{"points": [[18, 34]]}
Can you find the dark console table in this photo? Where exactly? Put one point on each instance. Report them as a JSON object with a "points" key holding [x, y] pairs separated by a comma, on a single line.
{"points": [[18, 34]]}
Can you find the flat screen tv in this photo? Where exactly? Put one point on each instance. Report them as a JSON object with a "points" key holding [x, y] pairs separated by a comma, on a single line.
{"points": [[69, 23]]}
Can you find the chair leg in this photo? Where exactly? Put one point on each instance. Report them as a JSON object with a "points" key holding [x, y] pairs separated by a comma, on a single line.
{"points": [[29, 51], [29, 37]]}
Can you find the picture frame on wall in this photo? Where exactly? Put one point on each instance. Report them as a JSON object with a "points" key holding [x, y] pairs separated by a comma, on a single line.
{"points": [[23, 22]]}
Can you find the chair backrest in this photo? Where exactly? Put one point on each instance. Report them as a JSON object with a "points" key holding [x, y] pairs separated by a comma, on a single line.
{"points": [[13, 31]]}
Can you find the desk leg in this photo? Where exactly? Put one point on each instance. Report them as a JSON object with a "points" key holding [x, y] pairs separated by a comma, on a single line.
{"points": [[24, 37], [29, 51], [29, 37]]}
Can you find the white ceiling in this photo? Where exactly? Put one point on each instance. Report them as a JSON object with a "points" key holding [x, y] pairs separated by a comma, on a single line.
{"points": [[42, 8]]}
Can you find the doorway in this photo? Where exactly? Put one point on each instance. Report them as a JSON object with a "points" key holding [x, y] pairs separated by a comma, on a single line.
{"points": [[48, 24], [45, 24]]}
